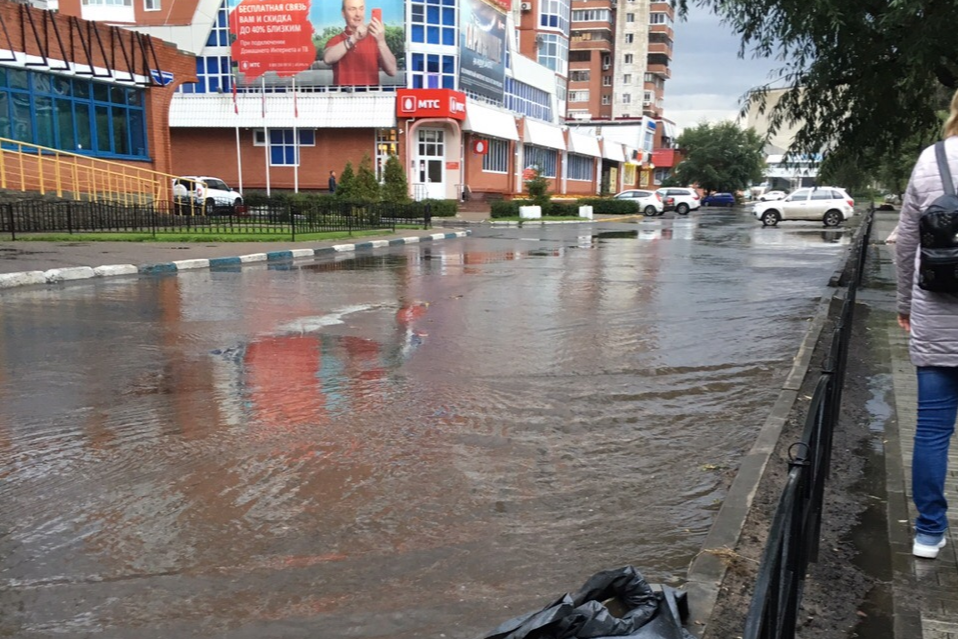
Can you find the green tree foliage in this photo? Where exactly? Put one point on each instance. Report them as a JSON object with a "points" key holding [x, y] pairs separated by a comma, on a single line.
{"points": [[720, 157], [537, 186], [395, 187], [864, 74], [346, 187], [365, 186]]}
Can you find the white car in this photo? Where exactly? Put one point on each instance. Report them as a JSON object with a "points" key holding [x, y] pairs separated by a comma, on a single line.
{"points": [[829, 204], [650, 202], [770, 196], [208, 194], [682, 199]]}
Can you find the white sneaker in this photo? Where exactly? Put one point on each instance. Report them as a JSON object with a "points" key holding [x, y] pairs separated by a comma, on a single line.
{"points": [[927, 551]]}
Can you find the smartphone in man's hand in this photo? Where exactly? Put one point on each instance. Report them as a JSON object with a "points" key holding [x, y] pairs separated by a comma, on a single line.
{"points": [[378, 15]]}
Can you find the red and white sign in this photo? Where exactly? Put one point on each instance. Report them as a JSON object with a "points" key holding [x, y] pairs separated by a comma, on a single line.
{"points": [[430, 103], [480, 147], [272, 36]]}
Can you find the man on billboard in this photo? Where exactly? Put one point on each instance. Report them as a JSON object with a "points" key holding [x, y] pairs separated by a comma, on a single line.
{"points": [[358, 54]]}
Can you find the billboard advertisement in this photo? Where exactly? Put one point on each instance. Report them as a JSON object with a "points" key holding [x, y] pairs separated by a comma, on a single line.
{"points": [[353, 43], [482, 49]]}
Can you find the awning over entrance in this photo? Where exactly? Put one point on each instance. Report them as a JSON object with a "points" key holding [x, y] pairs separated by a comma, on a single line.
{"points": [[545, 135], [315, 110], [489, 121], [613, 151], [584, 144]]}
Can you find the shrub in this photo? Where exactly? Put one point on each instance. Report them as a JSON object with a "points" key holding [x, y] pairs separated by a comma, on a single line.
{"points": [[507, 208], [442, 208], [537, 186], [365, 185], [609, 206], [561, 209], [345, 188], [395, 186]]}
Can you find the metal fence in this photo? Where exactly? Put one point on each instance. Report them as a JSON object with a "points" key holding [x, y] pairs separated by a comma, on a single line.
{"points": [[793, 541], [289, 219]]}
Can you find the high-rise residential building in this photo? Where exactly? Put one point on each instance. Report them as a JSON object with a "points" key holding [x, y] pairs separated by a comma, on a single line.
{"points": [[620, 52]]}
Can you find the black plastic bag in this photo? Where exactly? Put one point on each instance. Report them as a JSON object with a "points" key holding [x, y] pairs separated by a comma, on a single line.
{"points": [[649, 614]]}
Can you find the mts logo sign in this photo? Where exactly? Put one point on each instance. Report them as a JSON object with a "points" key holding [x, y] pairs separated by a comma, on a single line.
{"points": [[430, 103]]}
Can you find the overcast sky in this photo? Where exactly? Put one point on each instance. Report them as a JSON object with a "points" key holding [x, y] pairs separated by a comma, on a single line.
{"points": [[708, 78]]}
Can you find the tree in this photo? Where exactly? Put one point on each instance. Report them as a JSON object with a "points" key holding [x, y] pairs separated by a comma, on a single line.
{"points": [[395, 186], [720, 157], [345, 188], [537, 186], [863, 74], [365, 186]]}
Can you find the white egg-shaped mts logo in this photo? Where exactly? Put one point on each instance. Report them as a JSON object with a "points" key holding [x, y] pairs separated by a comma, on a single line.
{"points": [[409, 104], [480, 147]]}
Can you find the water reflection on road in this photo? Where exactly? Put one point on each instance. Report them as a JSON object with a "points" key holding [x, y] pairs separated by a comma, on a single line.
{"points": [[407, 443]]}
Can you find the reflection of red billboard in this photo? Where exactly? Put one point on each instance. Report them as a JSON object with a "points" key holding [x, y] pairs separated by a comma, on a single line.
{"points": [[272, 36]]}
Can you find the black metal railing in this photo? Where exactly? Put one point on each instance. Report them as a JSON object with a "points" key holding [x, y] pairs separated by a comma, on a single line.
{"points": [[38, 216], [793, 541]]}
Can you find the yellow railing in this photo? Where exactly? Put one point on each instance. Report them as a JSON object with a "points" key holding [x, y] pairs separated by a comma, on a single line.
{"points": [[31, 168]]}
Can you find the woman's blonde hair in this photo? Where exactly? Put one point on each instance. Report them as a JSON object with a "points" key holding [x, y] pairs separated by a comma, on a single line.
{"points": [[951, 127]]}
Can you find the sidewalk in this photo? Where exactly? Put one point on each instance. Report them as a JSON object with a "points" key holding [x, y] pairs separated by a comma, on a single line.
{"points": [[925, 591]]}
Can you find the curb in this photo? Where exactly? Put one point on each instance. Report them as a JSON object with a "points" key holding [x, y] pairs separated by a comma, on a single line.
{"points": [[707, 571], [58, 275]]}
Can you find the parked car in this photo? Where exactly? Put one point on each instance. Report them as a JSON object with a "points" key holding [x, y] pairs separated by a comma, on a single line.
{"points": [[830, 204], [719, 199], [770, 196], [684, 199], [649, 202], [210, 195]]}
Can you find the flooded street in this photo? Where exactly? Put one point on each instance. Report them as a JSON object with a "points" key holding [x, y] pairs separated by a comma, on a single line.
{"points": [[414, 442]]}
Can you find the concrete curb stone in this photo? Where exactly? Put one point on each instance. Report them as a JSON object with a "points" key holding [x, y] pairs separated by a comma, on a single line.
{"points": [[57, 275]]}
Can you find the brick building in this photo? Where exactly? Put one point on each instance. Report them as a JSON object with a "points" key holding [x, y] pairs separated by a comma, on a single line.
{"points": [[88, 88], [505, 62]]}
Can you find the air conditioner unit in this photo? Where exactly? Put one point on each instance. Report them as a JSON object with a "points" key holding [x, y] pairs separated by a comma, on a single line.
{"points": [[606, 67], [526, 6]]}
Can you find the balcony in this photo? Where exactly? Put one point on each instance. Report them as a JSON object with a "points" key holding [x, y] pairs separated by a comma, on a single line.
{"points": [[660, 48], [664, 29], [661, 70]]}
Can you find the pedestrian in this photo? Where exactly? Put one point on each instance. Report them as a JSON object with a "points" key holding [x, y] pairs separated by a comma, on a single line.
{"points": [[332, 181], [930, 318]]}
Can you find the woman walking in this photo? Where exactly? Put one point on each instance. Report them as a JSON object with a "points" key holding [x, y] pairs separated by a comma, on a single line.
{"points": [[931, 320]]}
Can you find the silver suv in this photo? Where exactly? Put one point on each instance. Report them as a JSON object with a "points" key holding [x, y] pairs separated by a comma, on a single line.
{"points": [[681, 199], [206, 195]]}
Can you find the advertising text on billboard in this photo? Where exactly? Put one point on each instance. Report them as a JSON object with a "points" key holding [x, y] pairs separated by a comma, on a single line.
{"points": [[482, 49]]}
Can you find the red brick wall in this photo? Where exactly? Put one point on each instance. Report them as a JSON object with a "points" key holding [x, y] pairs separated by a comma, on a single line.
{"points": [[479, 180], [168, 57], [213, 152]]}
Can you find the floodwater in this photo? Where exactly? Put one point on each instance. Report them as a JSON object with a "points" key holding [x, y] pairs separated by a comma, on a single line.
{"points": [[416, 442]]}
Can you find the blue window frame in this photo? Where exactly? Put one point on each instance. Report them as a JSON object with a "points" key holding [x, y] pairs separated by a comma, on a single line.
{"points": [[433, 22], [580, 167], [283, 151], [540, 158], [79, 115], [214, 74], [220, 33], [433, 71], [528, 100]]}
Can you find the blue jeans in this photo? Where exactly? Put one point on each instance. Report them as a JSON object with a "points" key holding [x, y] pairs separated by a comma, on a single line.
{"points": [[934, 426]]}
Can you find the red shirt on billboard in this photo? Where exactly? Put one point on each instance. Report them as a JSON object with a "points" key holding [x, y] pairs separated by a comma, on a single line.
{"points": [[359, 53], [360, 66]]}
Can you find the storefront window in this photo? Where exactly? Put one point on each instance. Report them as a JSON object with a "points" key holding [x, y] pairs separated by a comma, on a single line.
{"points": [[54, 111]]}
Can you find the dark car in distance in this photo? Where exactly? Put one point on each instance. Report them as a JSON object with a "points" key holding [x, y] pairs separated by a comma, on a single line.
{"points": [[719, 199]]}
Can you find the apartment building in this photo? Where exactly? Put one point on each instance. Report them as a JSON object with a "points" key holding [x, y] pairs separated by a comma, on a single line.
{"points": [[619, 59]]}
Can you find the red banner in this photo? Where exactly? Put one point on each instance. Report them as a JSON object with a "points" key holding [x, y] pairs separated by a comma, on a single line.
{"points": [[272, 36], [430, 103]]}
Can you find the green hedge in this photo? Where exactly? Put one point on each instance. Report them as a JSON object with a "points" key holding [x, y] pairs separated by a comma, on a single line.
{"points": [[604, 206], [442, 208], [609, 206]]}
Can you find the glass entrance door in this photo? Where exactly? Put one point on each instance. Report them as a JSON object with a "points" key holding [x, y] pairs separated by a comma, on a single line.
{"points": [[431, 163]]}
